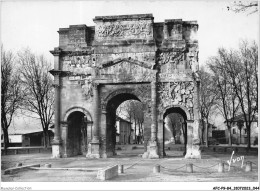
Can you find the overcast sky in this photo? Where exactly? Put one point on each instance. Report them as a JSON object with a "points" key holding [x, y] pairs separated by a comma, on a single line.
{"points": [[35, 24]]}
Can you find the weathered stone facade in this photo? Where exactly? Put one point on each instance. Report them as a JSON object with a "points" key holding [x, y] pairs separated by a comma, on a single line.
{"points": [[121, 58]]}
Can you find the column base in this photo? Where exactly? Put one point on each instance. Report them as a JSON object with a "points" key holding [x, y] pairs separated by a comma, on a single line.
{"points": [[56, 148], [93, 150], [152, 151], [193, 152]]}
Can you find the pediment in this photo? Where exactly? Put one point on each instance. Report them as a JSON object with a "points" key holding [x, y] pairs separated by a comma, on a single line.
{"points": [[128, 60], [126, 70]]}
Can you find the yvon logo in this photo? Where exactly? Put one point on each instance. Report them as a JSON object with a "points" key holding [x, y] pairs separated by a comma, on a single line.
{"points": [[241, 158]]}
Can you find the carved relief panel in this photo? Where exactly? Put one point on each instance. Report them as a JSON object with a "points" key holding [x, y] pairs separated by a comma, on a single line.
{"points": [[176, 93], [193, 59], [171, 61], [123, 29], [80, 69], [77, 65]]}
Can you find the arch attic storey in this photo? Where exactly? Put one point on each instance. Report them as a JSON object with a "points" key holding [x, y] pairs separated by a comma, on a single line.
{"points": [[124, 57]]}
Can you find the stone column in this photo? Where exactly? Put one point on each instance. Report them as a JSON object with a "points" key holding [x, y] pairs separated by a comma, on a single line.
{"points": [[189, 134], [152, 149], [56, 144], [103, 133], [196, 153], [193, 144], [154, 112], [94, 147], [64, 133], [96, 114]]}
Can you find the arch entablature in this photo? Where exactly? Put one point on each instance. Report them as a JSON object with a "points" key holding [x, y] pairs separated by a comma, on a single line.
{"points": [[80, 109], [184, 109], [114, 93]]}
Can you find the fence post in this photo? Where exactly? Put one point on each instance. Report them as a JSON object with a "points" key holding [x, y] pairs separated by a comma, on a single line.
{"points": [[248, 166], [47, 165], [120, 169], [18, 164], [156, 169], [189, 167], [221, 167]]}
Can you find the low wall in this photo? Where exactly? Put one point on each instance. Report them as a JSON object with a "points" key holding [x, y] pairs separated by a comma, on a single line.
{"points": [[25, 150]]}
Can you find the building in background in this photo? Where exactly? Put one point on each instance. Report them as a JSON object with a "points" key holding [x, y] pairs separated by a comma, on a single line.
{"points": [[238, 122], [124, 131], [29, 139]]}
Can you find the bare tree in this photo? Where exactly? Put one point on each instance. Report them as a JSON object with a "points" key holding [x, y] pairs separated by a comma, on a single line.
{"points": [[243, 71], [244, 6], [37, 81], [240, 125], [226, 99], [140, 121], [207, 100], [236, 77], [175, 123], [11, 92]]}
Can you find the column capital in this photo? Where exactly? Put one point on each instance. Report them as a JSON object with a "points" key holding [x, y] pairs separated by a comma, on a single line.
{"points": [[56, 142], [56, 52], [55, 72]]}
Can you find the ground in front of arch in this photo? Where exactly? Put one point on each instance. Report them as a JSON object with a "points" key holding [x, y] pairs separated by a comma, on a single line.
{"points": [[136, 169]]}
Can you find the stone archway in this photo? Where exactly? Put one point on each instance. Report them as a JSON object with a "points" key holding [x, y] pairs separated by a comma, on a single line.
{"points": [[79, 109], [184, 116], [76, 125], [94, 64], [108, 130]]}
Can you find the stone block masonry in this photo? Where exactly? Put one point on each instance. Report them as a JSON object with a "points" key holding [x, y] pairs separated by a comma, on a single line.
{"points": [[108, 173], [124, 57]]}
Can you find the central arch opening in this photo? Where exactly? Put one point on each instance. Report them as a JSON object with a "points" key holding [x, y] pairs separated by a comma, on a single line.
{"points": [[174, 132], [124, 128]]}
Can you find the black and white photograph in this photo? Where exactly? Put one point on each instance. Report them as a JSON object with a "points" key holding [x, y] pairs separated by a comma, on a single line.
{"points": [[129, 95]]}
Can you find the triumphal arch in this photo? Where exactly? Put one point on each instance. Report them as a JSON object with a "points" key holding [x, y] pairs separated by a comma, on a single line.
{"points": [[96, 68]]}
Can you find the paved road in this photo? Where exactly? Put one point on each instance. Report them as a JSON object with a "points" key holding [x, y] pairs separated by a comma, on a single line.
{"points": [[140, 169]]}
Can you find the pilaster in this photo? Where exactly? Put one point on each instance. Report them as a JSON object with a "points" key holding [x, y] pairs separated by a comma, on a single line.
{"points": [[152, 148], [94, 146], [57, 143]]}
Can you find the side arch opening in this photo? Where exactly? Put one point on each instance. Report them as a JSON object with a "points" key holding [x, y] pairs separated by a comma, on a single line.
{"points": [[174, 132]]}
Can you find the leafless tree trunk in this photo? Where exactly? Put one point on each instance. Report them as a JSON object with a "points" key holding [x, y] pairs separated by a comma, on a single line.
{"points": [[207, 100], [236, 74], [38, 85], [243, 70], [175, 122], [11, 92], [226, 99]]}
